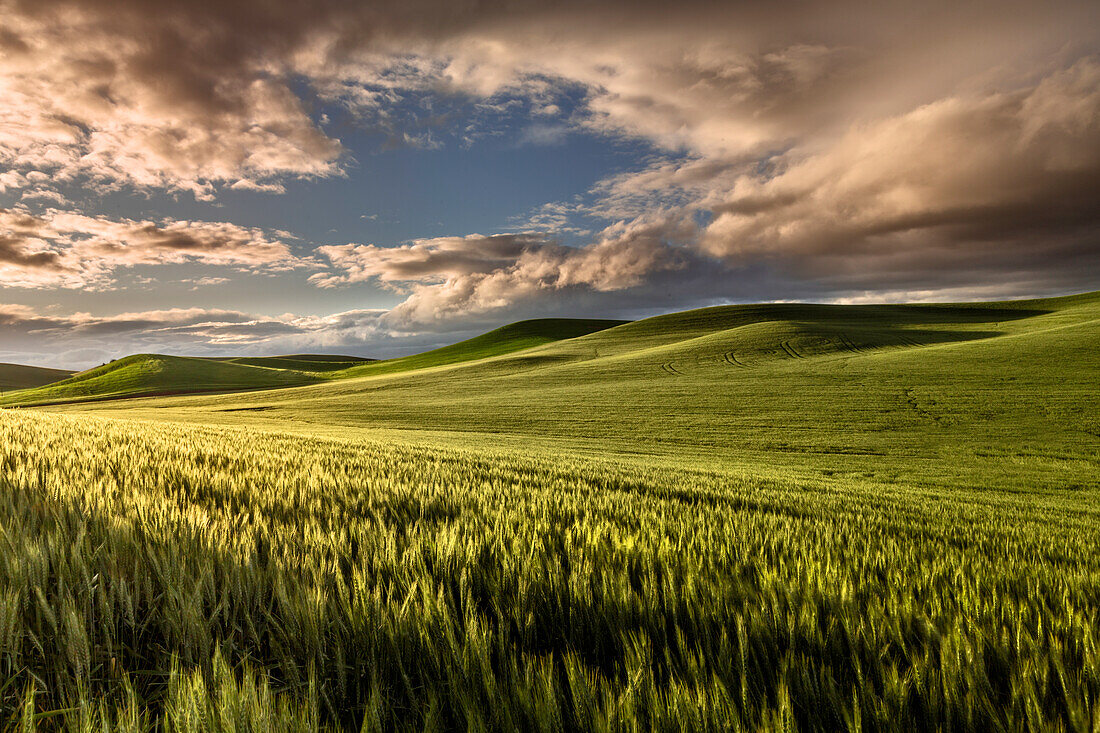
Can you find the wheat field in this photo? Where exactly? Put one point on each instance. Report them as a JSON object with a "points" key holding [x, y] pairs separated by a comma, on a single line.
{"points": [[182, 577]]}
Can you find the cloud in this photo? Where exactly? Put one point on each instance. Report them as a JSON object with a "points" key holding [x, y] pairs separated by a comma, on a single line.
{"points": [[982, 192], [203, 282], [451, 278], [977, 192], [543, 134], [82, 340], [79, 340], [974, 188], [153, 97], [72, 250], [422, 260], [189, 97], [990, 191]]}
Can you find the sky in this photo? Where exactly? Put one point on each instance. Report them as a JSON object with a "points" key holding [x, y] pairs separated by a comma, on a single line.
{"points": [[271, 176]]}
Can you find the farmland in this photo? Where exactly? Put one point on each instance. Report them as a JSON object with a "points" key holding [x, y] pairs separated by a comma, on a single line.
{"points": [[757, 517]]}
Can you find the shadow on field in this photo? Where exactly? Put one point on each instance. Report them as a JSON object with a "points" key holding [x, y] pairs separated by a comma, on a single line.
{"points": [[942, 314], [918, 336]]}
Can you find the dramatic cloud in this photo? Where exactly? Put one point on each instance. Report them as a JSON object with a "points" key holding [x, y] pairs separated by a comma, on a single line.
{"points": [[794, 149], [152, 97], [985, 189], [451, 278], [185, 95], [72, 250], [963, 189]]}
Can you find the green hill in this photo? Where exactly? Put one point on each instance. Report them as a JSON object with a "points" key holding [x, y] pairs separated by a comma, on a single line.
{"points": [[144, 375], [504, 340], [889, 391], [19, 376], [148, 375]]}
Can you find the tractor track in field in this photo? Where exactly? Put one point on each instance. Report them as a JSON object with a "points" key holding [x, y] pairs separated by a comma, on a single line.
{"points": [[848, 344], [791, 352], [731, 359], [670, 368], [910, 341]]}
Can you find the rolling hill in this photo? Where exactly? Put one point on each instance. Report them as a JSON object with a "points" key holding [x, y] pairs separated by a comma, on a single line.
{"points": [[144, 375], [19, 376], [508, 339], [148, 375], [935, 392]]}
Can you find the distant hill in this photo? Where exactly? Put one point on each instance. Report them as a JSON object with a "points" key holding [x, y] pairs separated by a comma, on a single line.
{"points": [[706, 375], [148, 375], [19, 376], [144, 375]]}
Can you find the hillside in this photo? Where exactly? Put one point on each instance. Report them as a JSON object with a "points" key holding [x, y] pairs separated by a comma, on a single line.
{"points": [[145, 375], [300, 362], [508, 339], [19, 376], [939, 392]]}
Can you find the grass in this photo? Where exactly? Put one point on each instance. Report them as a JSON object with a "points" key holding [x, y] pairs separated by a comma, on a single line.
{"points": [[504, 340], [751, 517], [301, 362], [451, 589]]}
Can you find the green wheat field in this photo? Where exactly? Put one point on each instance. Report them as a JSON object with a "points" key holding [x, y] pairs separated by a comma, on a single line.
{"points": [[773, 517]]}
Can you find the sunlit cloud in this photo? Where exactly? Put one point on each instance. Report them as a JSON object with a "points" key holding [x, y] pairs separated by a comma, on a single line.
{"points": [[455, 277], [72, 250], [972, 187]]}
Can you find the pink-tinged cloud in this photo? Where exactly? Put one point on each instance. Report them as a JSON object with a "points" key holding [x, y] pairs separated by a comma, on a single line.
{"points": [[451, 278], [73, 250]]}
